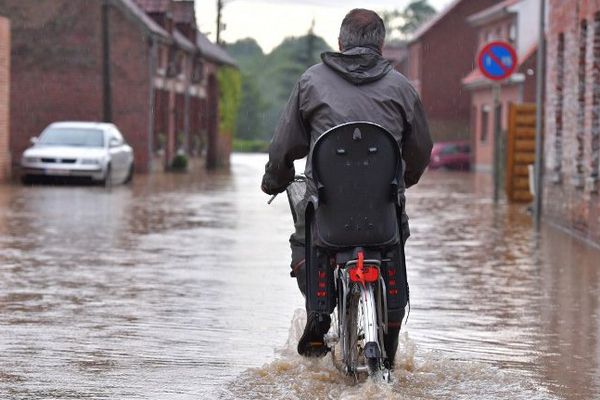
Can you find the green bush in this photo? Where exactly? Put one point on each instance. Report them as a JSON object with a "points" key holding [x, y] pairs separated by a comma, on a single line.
{"points": [[230, 91], [180, 163]]}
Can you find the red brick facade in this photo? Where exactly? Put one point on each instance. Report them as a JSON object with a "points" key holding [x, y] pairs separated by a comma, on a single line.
{"points": [[4, 98], [131, 82], [58, 75], [155, 81], [440, 56], [572, 140]]}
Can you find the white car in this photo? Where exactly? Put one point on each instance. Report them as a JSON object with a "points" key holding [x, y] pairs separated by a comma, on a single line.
{"points": [[80, 149]]}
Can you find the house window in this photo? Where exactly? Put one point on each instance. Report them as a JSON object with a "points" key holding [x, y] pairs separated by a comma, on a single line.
{"points": [[163, 60], [595, 163], [578, 179], [558, 108], [485, 123], [512, 33], [175, 67], [198, 70]]}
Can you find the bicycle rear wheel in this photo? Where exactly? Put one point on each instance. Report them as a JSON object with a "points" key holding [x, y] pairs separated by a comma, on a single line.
{"points": [[361, 347], [350, 332]]}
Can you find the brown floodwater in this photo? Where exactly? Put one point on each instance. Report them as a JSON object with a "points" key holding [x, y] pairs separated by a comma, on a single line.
{"points": [[177, 287]]}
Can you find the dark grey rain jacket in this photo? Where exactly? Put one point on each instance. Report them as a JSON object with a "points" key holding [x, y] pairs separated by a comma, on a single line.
{"points": [[356, 85]]}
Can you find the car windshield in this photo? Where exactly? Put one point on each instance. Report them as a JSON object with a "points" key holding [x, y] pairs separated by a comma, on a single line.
{"points": [[81, 137]]}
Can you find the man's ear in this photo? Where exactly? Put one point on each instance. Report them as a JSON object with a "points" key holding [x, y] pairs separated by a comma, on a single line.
{"points": [[340, 45]]}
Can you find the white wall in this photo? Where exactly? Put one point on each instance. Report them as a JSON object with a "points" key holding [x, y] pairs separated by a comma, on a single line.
{"points": [[528, 21]]}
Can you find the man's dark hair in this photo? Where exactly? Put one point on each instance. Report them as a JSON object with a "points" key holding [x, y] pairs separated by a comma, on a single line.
{"points": [[362, 27]]}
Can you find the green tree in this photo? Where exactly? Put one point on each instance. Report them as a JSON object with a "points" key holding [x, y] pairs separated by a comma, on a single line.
{"points": [[393, 23], [230, 95], [283, 67], [251, 113], [401, 24], [247, 53], [268, 80], [416, 14]]}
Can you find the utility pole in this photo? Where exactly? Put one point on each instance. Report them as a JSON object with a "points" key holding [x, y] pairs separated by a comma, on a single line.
{"points": [[219, 12], [539, 128]]}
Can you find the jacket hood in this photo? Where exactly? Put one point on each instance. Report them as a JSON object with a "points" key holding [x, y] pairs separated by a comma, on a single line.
{"points": [[359, 65]]}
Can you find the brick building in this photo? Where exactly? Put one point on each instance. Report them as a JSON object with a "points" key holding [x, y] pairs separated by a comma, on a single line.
{"points": [[123, 61], [397, 54], [515, 22], [441, 54], [4, 98], [572, 119]]}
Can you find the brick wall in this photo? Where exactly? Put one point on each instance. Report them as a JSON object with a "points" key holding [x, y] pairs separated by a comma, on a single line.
{"points": [[57, 70], [131, 81], [439, 60], [4, 97], [572, 145], [56, 66]]}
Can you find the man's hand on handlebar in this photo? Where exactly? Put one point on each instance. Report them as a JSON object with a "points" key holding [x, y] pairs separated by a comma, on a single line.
{"points": [[270, 187]]}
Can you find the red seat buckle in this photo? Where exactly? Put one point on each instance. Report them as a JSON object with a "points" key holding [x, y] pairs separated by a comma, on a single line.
{"points": [[361, 273]]}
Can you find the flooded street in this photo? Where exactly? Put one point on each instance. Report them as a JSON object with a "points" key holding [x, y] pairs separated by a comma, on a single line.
{"points": [[177, 288]]}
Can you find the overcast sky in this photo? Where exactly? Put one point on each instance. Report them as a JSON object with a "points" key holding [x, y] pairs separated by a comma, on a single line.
{"points": [[270, 21]]}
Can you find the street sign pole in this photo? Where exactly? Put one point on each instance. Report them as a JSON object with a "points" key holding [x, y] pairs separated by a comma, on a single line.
{"points": [[497, 61], [497, 128]]}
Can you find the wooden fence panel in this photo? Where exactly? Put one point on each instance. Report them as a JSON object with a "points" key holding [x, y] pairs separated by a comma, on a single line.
{"points": [[520, 151]]}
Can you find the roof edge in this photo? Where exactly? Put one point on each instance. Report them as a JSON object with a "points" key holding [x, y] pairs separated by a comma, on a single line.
{"points": [[136, 14], [493, 13], [433, 21]]}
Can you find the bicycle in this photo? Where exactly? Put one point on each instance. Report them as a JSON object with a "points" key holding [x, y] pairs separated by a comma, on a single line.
{"points": [[355, 256]]}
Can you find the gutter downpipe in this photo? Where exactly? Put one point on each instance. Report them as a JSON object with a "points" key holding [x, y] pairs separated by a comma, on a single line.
{"points": [[106, 72], [151, 101], [539, 128], [186, 107]]}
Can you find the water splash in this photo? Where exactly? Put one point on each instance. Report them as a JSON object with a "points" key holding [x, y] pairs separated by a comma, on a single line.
{"points": [[418, 375]]}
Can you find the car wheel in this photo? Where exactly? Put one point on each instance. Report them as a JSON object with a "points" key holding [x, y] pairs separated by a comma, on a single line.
{"points": [[26, 179], [129, 177], [107, 181]]}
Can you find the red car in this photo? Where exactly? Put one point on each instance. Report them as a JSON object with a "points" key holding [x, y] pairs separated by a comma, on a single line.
{"points": [[451, 155]]}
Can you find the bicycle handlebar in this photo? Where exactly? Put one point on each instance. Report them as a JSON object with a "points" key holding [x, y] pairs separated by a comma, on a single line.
{"points": [[297, 178]]}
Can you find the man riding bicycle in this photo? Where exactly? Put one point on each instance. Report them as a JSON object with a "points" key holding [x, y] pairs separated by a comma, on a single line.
{"points": [[356, 84]]}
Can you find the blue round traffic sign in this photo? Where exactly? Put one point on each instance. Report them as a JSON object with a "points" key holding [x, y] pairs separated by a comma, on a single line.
{"points": [[497, 60]]}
